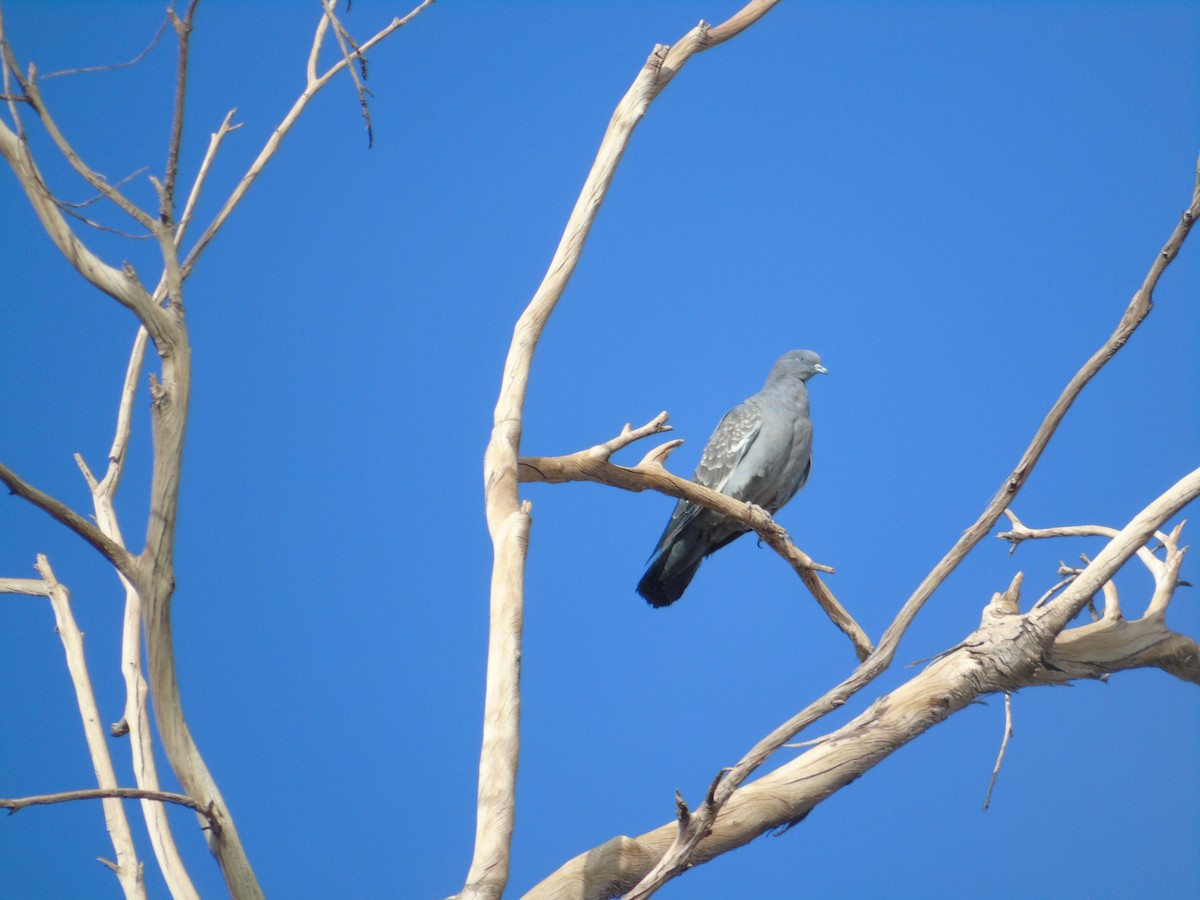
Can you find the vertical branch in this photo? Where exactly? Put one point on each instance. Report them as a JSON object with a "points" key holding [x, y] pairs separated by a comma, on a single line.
{"points": [[155, 584], [508, 519], [136, 718], [183, 30], [127, 868]]}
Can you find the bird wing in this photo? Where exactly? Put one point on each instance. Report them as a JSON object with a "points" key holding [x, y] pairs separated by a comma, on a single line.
{"points": [[728, 445], [724, 450]]}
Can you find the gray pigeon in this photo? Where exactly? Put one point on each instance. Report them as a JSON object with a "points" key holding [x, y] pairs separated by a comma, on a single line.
{"points": [[761, 453]]}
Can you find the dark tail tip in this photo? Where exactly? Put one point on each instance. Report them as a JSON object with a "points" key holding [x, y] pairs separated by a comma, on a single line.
{"points": [[656, 594], [662, 588]]}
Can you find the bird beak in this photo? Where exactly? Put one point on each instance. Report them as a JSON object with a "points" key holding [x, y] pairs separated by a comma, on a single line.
{"points": [[820, 368]]}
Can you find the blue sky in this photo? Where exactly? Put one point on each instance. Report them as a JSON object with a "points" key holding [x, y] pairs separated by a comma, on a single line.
{"points": [[951, 203]]}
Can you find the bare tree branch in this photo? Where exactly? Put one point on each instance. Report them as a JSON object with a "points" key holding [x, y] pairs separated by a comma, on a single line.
{"points": [[314, 85], [679, 856], [16, 804], [507, 516], [1007, 652], [127, 867], [109, 549]]}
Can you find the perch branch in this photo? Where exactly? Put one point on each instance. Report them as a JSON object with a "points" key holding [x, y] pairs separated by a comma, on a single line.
{"points": [[594, 465]]}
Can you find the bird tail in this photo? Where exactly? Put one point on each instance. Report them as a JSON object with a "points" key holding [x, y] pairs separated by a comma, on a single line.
{"points": [[670, 573], [661, 587], [676, 564]]}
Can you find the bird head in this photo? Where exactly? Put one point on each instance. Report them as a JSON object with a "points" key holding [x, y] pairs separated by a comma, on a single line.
{"points": [[802, 364]]}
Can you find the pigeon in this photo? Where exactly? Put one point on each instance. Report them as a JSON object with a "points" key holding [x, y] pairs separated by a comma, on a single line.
{"points": [[761, 453]]}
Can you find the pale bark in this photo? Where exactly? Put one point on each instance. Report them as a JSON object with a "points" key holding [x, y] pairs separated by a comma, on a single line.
{"points": [[508, 518], [149, 578], [1008, 651]]}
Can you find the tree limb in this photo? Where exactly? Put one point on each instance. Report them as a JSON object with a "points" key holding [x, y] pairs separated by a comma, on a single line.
{"points": [[116, 554], [127, 868], [1007, 652], [488, 873], [16, 804]]}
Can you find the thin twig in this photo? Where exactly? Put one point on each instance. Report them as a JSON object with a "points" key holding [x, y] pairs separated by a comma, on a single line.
{"points": [[350, 52], [282, 129], [133, 62], [183, 29], [214, 144], [1008, 733], [16, 804]]}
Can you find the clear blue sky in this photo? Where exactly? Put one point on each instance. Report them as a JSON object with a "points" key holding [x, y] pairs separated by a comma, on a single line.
{"points": [[952, 203]]}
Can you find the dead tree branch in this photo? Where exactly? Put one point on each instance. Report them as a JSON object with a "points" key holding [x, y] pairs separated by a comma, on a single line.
{"points": [[127, 868], [314, 84], [508, 518], [16, 804], [1008, 651]]}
